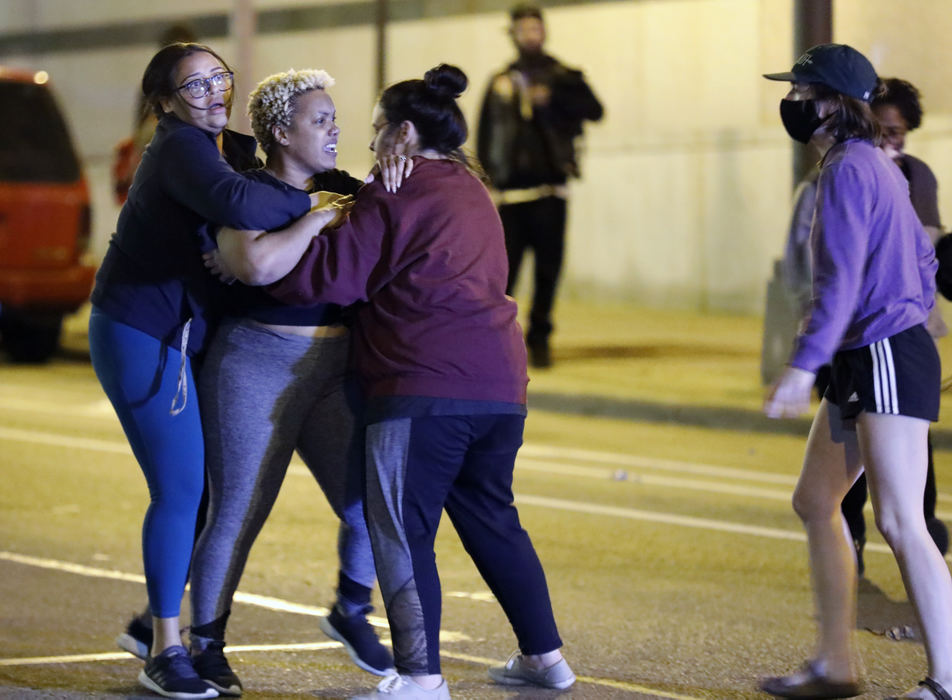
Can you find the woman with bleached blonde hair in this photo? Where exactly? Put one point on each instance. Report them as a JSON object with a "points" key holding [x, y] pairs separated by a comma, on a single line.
{"points": [[275, 380]]}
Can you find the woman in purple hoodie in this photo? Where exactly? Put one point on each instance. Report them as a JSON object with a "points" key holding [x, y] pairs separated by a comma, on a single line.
{"points": [[873, 288]]}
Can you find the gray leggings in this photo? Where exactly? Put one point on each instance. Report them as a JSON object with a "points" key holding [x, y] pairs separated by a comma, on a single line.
{"points": [[263, 395]]}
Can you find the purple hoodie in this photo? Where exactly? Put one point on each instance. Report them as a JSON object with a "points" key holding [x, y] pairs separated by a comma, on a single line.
{"points": [[873, 263]]}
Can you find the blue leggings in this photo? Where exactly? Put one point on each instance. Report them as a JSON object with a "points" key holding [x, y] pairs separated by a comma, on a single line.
{"points": [[140, 376]]}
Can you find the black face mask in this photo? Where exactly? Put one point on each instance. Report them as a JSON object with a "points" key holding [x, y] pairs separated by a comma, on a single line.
{"points": [[800, 118]]}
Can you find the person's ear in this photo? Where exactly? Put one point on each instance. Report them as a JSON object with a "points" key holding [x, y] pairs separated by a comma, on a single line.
{"points": [[166, 104], [407, 135], [825, 107], [280, 134]]}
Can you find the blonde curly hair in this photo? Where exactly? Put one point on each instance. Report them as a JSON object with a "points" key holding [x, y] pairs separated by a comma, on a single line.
{"points": [[273, 101]]}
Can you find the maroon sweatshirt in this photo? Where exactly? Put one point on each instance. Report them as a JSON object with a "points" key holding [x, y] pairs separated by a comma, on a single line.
{"points": [[430, 262]]}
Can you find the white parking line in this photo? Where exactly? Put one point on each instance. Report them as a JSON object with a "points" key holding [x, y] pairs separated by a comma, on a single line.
{"points": [[672, 519], [260, 601], [297, 469], [578, 463], [98, 409], [68, 659], [615, 459], [322, 646], [532, 456], [549, 467], [58, 440], [446, 636]]}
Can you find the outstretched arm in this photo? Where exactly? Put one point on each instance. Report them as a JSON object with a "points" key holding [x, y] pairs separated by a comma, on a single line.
{"points": [[349, 263], [258, 257]]}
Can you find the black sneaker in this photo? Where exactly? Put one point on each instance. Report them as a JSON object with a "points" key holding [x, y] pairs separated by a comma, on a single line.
{"points": [[172, 675], [212, 667], [137, 639], [360, 641]]}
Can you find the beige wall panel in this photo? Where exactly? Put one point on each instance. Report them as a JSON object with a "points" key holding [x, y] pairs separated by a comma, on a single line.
{"points": [[626, 241], [692, 227], [774, 38], [745, 208], [908, 39], [477, 44], [699, 61]]}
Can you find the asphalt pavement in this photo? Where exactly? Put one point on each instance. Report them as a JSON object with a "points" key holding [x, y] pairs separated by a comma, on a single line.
{"points": [[656, 492]]}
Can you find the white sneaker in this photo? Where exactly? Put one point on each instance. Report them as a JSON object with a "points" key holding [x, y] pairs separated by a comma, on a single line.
{"points": [[402, 687], [518, 672]]}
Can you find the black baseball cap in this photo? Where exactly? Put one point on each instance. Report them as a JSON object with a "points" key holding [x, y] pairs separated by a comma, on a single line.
{"points": [[838, 66]]}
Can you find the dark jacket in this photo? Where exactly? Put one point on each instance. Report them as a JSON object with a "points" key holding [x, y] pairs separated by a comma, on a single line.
{"points": [[520, 146], [152, 277]]}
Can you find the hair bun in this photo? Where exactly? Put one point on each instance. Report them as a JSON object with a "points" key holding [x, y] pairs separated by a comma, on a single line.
{"points": [[446, 81]]}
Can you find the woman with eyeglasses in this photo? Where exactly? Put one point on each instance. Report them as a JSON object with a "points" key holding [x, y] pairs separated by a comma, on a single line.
{"points": [[152, 306]]}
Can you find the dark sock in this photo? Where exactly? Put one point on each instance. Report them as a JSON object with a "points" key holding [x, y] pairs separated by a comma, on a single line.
{"points": [[213, 631], [352, 597]]}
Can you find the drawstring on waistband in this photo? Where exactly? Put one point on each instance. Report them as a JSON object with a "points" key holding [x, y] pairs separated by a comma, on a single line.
{"points": [[182, 388]]}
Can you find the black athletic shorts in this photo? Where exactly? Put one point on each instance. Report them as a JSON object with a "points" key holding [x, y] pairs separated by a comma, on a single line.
{"points": [[898, 375]]}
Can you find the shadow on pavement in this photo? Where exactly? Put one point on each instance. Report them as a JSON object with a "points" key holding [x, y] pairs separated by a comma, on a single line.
{"points": [[878, 614], [572, 353]]}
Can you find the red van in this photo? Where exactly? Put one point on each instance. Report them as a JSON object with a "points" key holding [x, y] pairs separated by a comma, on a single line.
{"points": [[44, 219]]}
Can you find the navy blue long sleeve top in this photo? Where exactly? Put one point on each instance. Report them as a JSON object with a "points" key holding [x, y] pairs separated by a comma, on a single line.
{"points": [[152, 277]]}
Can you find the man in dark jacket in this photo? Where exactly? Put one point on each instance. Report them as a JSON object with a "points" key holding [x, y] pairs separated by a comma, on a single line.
{"points": [[532, 113]]}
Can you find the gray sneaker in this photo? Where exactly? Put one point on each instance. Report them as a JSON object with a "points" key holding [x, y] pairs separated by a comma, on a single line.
{"points": [[518, 672]]}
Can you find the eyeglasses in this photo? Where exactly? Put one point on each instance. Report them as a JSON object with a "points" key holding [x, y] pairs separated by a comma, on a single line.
{"points": [[200, 87]]}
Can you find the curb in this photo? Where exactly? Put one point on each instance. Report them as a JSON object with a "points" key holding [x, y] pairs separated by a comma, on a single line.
{"points": [[723, 417]]}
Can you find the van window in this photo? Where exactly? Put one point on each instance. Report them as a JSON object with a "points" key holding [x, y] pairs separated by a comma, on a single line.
{"points": [[34, 143]]}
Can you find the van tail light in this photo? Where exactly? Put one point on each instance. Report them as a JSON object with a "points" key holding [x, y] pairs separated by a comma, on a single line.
{"points": [[84, 230]]}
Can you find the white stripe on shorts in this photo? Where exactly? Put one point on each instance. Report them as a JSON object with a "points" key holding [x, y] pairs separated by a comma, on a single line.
{"points": [[884, 377]]}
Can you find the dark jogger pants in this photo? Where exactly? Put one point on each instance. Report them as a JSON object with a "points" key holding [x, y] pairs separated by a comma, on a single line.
{"points": [[416, 467], [539, 225]]}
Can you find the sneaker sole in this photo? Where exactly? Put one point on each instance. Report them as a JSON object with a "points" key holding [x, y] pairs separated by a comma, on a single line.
{"points": [[501, 678], [147, 682], [230, 691], [328, 629], [127, 642]]}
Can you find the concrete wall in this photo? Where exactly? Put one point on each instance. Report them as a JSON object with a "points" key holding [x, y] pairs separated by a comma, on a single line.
{"points": [[685, 193]]}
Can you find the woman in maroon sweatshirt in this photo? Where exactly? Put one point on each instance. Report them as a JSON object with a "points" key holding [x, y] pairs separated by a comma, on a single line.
{"points": [[443, 363]]}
